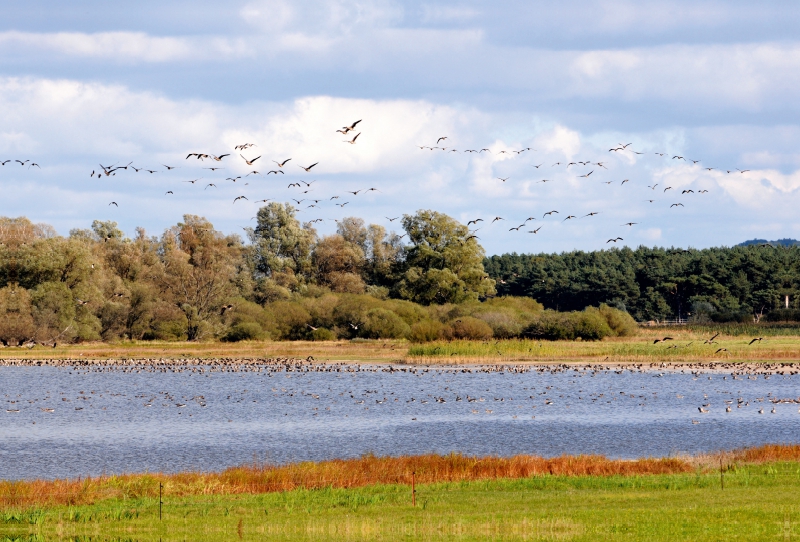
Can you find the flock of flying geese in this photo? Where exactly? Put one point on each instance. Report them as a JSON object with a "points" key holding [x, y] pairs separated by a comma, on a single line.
{"points": [[594, 167], [308, 198], [280, 168]]}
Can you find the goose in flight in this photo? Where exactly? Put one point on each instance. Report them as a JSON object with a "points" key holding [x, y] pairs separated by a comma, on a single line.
{"points": [[629, 224], [517, 228], [234, 179], [169, 168], [614, 240], [169, 192], [238, 198], [502, 179], [679, 158], [342, 204], [702, 191], [497, 218], [676, 205], [346, 129], [652, 187], [254, 172], [276, 171], [579, 176], [624, 181], [589, 214], [441, 139], [298, 185], [742, 170], [353, 141], [244, 146], [474, 221], [392, 219], [549, 213], [213, 168], [307, 169], [209, 184], [199, 155], [569, 217], [219, 158], [308, 184], [354, 193], [757, 339], [7, 161], [487, 150], [663, 340], [688, 192], [21, 162], [34, 164], [537, 167], [114, 203], [536, 230], [194, 181]]}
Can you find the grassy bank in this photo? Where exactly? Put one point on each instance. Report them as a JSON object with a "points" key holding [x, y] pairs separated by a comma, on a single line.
{"points": [[687, 501], [688, 344]]}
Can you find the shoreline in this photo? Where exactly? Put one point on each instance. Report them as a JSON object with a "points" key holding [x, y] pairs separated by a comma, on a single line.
{"points": [[256, 364]]}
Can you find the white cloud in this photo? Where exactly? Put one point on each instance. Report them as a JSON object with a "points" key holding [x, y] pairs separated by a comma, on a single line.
{"points": [[69, 127]]}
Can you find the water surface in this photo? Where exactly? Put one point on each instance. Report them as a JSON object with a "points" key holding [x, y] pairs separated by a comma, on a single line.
{"points": [[115, 421]]}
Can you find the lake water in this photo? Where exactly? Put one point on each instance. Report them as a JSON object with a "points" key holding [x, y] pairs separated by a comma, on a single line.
{"points": [[76, 423]]}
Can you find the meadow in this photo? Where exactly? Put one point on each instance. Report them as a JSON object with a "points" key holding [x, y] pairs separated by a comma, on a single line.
{"points": [[740, 495], [781, 343]]}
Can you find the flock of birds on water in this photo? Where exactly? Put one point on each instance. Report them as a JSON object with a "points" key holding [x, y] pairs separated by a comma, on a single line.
{"points": [[306, 198], [548, 395]]}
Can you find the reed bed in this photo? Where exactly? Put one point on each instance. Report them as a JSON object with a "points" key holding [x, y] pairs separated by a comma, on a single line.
{"points": [[368, 470], [684, 347], [340, 473]]}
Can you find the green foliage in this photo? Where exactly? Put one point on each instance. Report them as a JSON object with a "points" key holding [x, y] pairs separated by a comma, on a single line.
{"points": [[725, 284], [468, 327], [244, 331], [443, 263], [589, 324], [322, 334], [381, 323], [428, 330]]}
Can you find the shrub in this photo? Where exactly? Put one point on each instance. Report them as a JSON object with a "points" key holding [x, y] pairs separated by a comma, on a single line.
{"points": [[586, 325], [384, 324], [468, 327], [291, 320], [428, 330], [620, 322], [322, 334], [244, 331], [505, 324]]}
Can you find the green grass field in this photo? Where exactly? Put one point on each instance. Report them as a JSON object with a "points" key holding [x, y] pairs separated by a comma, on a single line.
{"points": [[758, 502]]}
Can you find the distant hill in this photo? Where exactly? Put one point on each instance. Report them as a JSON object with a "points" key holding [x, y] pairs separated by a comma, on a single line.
{"points": [[779, 242]]}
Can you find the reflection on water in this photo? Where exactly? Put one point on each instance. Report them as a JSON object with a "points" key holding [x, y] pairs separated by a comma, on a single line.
{"points": [[56, 422]]}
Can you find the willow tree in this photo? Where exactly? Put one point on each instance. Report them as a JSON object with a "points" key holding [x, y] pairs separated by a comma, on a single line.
{"points": [[443, 263]]}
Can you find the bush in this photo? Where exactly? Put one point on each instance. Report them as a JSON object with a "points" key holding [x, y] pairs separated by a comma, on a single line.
{"points": [[384, 324], [505, 324], [245, 331], [783, 315], [620, 322], [587, 325], [468, 327], [322, 334], [428, 330], [291, 320]]}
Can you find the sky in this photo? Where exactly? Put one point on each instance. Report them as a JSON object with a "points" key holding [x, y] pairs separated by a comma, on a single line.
{"points": [[91, 83]]}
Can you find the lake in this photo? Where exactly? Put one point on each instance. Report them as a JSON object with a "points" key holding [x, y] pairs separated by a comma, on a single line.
{"points": [[61, 422]]}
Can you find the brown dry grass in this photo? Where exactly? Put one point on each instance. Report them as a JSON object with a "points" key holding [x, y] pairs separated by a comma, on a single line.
{"points": [[324, 351], [346, 473]]}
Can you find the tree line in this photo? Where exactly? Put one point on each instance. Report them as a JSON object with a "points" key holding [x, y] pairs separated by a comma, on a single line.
{"points": [[742, 283], [194, 282]]}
